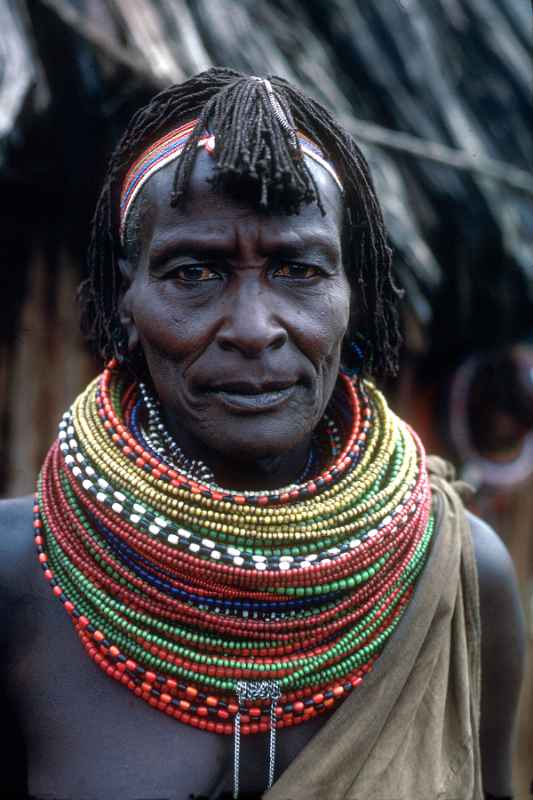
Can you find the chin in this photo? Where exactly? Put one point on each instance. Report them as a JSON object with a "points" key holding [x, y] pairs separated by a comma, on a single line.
{"points": [[251, 439]]}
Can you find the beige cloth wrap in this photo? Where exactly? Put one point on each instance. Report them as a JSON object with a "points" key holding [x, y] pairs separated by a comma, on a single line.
{"points": [[411, 730]]}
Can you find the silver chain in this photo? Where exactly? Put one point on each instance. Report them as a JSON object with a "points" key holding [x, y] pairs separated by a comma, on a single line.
{"points": [[279, 113], [255, 690], [162, 442], [273, 741]]}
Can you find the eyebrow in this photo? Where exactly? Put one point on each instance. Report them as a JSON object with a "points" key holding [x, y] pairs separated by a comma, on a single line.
{"points": [[310, 244]]}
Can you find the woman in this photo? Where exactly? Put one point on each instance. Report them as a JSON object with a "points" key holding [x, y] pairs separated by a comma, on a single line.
{"points": [[241, 532]]}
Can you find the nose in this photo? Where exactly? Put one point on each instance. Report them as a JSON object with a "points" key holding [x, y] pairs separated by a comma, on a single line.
{"points": [[251, 325]]}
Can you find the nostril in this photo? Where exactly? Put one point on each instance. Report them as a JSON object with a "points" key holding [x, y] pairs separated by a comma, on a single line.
{"points": [[279, 341], [251, 341], [225, 344]]}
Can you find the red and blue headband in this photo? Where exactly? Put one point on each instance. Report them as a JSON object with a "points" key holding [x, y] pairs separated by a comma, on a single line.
{"points": [[170, 146]]}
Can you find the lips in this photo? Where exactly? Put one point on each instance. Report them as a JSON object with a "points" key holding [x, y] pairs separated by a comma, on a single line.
{"points": [[250, 397], [251, 388]]}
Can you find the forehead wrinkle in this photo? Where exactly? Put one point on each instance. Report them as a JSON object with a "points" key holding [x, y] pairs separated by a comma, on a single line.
{"points": [[300, 240], [155, 209], [226, 240]]}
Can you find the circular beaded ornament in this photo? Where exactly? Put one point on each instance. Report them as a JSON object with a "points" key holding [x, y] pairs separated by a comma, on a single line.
{"points": [[182, 590]]}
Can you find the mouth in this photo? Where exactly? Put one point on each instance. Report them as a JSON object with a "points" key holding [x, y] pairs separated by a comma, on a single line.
{"points": [[250, 397]]}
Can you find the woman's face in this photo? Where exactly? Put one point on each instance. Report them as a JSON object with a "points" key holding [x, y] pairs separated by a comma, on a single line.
{"points": [[240, 314]]}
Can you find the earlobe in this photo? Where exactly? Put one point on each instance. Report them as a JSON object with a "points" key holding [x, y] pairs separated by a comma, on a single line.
{"points": [[124, 307], [128, 323], [125, 268]]}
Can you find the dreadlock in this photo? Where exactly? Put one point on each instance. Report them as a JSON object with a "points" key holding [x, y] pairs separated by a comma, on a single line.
{"points": [[252, 144]]}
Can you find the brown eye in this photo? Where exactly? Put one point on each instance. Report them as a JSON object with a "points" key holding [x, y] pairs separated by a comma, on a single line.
{"points": [[289, 270], [196, 273]]}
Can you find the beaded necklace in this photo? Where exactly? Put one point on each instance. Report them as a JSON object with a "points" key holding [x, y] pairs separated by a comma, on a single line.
{"points": [[233, 612], [157, 439]]}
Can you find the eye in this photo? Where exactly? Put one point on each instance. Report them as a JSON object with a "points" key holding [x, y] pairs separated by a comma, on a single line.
{"points": [[291, 270], [195, 273]]}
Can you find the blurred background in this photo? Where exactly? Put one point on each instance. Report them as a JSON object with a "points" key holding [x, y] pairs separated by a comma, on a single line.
{"points": [[438, 94]]}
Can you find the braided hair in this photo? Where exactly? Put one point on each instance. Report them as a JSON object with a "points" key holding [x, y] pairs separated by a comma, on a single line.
{"points": [[253, 144]]}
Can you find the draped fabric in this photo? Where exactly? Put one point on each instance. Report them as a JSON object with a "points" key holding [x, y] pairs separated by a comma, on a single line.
{"points": [[412, 730]]}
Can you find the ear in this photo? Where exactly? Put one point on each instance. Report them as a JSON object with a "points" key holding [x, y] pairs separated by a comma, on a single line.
{"points": [[125, 311]]}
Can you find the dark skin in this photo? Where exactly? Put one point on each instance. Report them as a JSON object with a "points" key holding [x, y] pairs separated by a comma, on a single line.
{"points": [[211, 350]]}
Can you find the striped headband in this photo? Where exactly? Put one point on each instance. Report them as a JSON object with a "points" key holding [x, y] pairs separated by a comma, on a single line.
{"points": [[170, 146]]}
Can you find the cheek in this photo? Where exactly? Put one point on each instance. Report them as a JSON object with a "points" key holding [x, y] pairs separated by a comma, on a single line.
{"points": [[166, 326], [330, 322]]}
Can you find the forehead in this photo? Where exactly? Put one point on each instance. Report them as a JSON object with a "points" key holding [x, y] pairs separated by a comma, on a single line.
{"points": [[207, 209]]}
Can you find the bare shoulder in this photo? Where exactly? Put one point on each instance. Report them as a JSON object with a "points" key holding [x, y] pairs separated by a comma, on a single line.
{"points": [[498, 586], [17, 551], [502, 654]]}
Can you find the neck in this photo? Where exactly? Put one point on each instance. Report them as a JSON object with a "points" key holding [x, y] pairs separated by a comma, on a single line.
{"points": [[233, 471]]}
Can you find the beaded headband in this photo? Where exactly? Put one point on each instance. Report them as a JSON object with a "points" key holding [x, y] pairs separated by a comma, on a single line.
{"points": [[170, 146]]}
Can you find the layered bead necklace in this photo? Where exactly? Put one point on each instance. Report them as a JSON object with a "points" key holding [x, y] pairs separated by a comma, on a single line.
{"points": [[233, 612]]}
